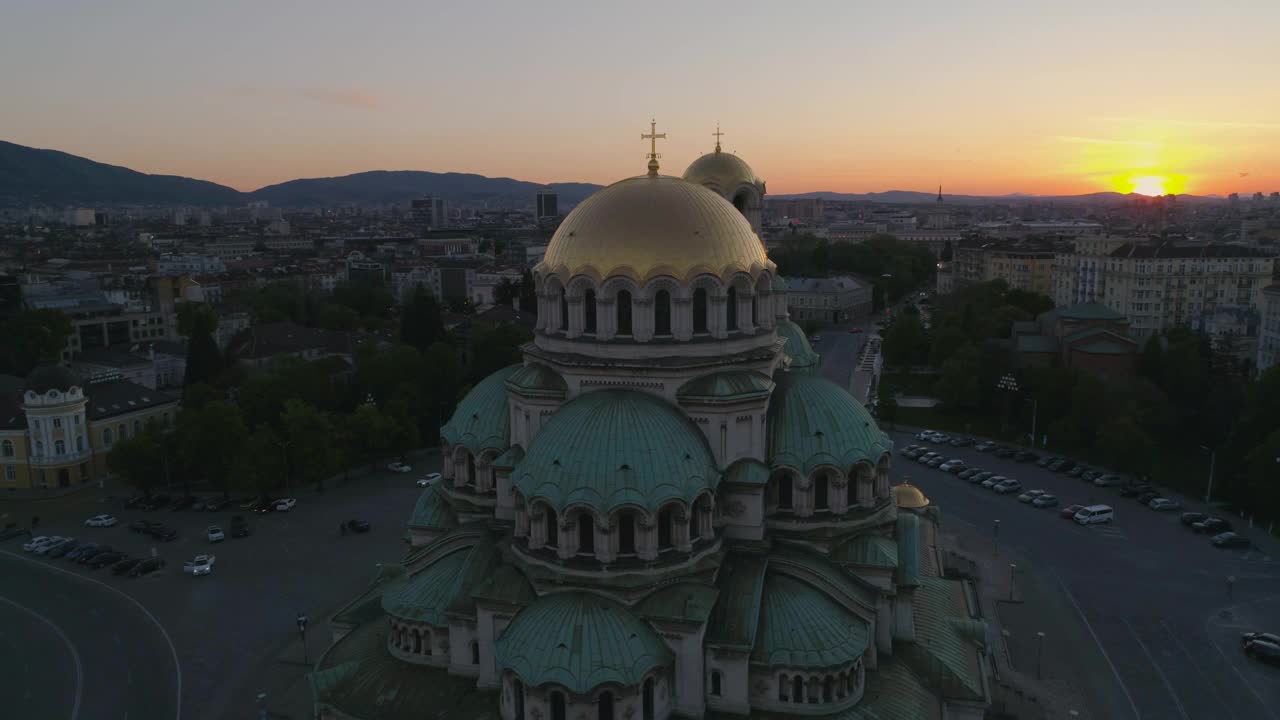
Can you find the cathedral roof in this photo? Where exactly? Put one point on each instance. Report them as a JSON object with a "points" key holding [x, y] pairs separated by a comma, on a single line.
{"points": [[537, 380], [800, 626], [431, 511], [580, 641], [797, 347], [51, 377], [442, 587], [609, 448], [909, 496], [480, 422], [721, 171], [648, 226], [725, 386], [812, 421]]}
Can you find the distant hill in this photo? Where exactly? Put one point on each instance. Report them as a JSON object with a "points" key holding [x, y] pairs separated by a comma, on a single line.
{"points": [[910, 197], [29, 175], [386, 186]]}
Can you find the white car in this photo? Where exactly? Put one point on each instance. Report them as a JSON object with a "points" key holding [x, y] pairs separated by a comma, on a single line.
{"points": [[101, 521], [215, 534], [1030, 495], [954, 466], [1163, 504], [285, 504], [54, 542], [429, 479], [399, 467], [35, 542], [199, 565]]}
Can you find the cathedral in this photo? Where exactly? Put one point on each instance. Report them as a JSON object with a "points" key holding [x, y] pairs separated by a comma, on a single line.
{"points": [[664, 510]]}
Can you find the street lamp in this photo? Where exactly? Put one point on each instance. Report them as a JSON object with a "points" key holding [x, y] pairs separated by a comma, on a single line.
{"points": [[1213, 457], [1009, 384], [302, 630], [1040, 656], [995, 535]]}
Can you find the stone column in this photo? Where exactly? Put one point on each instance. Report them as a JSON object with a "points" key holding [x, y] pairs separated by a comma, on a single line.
{"points": [[642, 322], [538, 529], [764, 309], [681, 318], [568, 544], [521, 520], [606, 541], [646, 537], [802, 496], [839, 499], [576, 317], [745, 324], [606, 318], [680, 533], [718, 321]]}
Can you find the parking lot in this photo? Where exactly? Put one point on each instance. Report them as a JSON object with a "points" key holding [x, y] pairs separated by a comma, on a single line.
{"points": [[229, 626], [1155, 595]]}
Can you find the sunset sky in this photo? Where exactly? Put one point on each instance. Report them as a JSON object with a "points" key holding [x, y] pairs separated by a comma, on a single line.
{"points": [[985, 98]]}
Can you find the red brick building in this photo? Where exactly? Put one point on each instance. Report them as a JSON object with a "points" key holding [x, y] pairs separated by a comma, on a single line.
{"points": [[1089, 336]]}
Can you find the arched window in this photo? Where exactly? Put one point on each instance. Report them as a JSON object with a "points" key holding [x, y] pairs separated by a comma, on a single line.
{"points": [[557, 705], [426, 640], [715, 683], [604, 706], [564, 311], [624, 314], [755, 314], [784, 492], [417, 642], [820, 492], [783, 686], [828, 688], [79, 443], [122, 430], [589, 312], [665, 519], [553, 528], [137, 425], [731, 309], [471, 469], [586, 534], [647, 701], [797, 689], [700, 311], [695, 527], [626, 534], [662, 313], [106, 436], [6, 448], [475, 653]]}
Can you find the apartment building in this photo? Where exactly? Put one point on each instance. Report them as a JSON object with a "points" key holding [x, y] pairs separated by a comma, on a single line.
{"points": [[1269, 328], [1079, 270], [1025, 266]]}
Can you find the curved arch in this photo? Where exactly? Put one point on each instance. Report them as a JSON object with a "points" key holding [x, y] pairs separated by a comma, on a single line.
{"points": [[731, 309], [626, 522], [581, 282], [670, 516], [623, 323], [780, 490], [6, 448], [590, 321]]}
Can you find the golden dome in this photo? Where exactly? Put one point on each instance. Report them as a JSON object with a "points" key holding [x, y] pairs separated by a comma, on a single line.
{"points": [[909, 496], [647, 226], [722, 171]]}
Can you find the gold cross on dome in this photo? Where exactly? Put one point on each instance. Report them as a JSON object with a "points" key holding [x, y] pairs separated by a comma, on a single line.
{"points": [[717, 133], [653, 136]]}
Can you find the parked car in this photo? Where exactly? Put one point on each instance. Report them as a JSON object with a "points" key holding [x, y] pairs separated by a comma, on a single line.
{"points": [[12, 532], [1135, 489], [1094, 514], [968, 473], [199, 565], [936, 461], [985, 446], [144, 526], [216, 504], [183, 503], [1070, 511], [137, 501], [1076, 471], [264, 507], [993, 481], [90, 555], [164, 534], [1191, 518], [285, 504], [357, 526], [1030, 495], [1231, 540], [35, 542], [101, 521], [428, 479], [924, 435], [1246, 638], [215, 534], [1005, 452], [1211, 525], [1263, 650], [146, 567], [963, 441], [1008, 487], [952, 466], [64, 548], [941, 438], [1090, 475], [1044, 501], [125, 566], [74, 554], [1108, 480], [102, 560], [399, 467], [53, 544], [1161, 503], [1025, 456], [1062, 465], [239, 528], [1147, 497], [1046, 461]]}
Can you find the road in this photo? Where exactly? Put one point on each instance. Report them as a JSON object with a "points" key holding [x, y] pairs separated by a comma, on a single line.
{"points": [[1153, 594], [76, 649]]}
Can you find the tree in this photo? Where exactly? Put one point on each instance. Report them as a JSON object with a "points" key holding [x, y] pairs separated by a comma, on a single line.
{"points": [[368, 298], [210, 441], [197, 395], [905, 342], [887, 404], [945, 342], [421, 324], [308, 436], [1151, 362], [368, 433], [204, 360], [958, 386], [495, 346], [333, 316], [263, 464], [506, 293], [33, 337], [528, 293], [442, 377], [138, 460]]}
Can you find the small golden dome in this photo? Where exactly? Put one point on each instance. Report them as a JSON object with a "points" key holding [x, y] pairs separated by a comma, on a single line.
{"points": [[647, 226], [721, 171], [909, 496]]}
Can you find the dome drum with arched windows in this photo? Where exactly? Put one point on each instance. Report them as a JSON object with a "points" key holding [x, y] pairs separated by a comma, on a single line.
{"points": [[665, 509]]}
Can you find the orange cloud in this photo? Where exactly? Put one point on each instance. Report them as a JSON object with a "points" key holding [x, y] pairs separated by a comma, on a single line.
{"points": [[349, 97]]}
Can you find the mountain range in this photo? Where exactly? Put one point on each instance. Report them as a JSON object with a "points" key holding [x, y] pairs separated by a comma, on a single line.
{"points": [[32, 176]]}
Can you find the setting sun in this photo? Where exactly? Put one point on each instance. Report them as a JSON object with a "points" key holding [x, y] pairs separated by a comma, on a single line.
{"points": [[1152, 185]]}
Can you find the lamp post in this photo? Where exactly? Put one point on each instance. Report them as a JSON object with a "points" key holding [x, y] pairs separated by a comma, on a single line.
{"points": [[1013, 568], [995, 535], [1009, 384], [302, 630], [1039, 656], [1213, 457]]}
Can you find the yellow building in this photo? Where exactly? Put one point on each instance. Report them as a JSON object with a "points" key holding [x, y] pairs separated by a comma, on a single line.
{"points": [[56, 431]]}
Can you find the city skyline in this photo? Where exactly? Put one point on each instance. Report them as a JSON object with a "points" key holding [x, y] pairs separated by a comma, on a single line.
{"points": [[986, 101]]}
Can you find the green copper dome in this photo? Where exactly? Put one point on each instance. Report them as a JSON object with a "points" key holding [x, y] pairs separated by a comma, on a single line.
{"points": [[480, 422], [726, 386], [797, 348], [580, 641], [812, 421], [424, 596], [537, 380], [609, 448], [431, 511], [801, 627]]}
